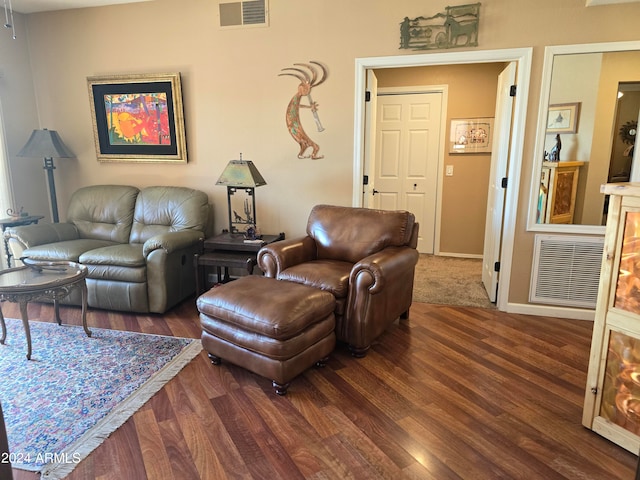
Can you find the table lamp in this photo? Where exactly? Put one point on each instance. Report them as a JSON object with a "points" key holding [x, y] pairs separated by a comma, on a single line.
{"points": [[48, 145], [241, 176]]}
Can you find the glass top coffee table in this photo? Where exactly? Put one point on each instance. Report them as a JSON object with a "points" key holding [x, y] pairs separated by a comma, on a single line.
{"points": [[42, 281]]}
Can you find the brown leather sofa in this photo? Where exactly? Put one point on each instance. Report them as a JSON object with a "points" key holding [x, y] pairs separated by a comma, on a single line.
{"points": [[366, 258], [138, 244]]}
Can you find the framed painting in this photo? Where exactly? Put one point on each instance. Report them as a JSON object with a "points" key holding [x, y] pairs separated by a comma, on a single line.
{"points": [[471, 135], [138, 118], [563, 118]]}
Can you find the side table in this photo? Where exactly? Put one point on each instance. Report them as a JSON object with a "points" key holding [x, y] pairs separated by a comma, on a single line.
{"points": [[228, 250], [42, 280], [15, 222]]}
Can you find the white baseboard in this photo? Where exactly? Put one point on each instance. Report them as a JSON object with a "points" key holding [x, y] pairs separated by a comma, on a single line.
{"points": [[551, 311], [458, 255]]}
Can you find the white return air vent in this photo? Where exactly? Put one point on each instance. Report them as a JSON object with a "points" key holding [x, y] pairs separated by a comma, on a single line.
{"points": [[248, 13], [566, 270]]}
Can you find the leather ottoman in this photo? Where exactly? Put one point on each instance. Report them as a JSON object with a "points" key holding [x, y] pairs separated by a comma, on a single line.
{"points": [[274, 328]]}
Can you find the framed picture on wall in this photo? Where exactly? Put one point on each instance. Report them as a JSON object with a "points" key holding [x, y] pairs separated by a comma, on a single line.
{"points": [[138, 118], [563, 118], [471, 135]]}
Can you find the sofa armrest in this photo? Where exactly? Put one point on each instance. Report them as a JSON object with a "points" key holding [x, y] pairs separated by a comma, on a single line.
{"points": [[277, 256], [28, 236], [387, 265], [172, 241]]}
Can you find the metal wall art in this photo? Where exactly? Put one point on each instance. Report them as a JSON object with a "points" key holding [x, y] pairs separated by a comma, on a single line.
{"points": [[457, 26], [309, 77], [138, 118]]}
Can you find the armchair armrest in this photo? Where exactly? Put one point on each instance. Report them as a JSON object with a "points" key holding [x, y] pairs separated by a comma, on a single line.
{"points": [[277, 256], [172, 241], [28, 236], [387, 265]]}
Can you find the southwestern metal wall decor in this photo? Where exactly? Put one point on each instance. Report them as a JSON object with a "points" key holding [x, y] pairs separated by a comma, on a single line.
{"points": [[457, 26], [308, 76]]}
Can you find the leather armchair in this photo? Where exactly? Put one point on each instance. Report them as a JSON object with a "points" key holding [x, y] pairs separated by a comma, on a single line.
{"points": [[366, 258]]}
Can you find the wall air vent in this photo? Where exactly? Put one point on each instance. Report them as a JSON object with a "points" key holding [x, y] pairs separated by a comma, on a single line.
{"points": [[566, 270], [248, 13]]}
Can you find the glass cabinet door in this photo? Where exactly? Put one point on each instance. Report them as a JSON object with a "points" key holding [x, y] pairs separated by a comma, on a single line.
{"points": [[627, 295]]}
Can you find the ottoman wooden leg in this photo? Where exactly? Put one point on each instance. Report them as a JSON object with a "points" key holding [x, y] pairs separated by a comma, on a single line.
{"points": [[279, 388], [215, 360], [322, 362]]}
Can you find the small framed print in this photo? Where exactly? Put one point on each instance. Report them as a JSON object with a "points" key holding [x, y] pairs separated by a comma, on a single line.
{"points": [[138, 118], [471, 135], [563, 118]]}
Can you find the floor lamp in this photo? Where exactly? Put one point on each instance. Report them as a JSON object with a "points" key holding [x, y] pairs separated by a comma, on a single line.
{"points": [[48, 145]]}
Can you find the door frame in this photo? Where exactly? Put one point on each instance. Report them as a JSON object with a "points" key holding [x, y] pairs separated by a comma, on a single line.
{"points": [[443, 90], [522, 56]]}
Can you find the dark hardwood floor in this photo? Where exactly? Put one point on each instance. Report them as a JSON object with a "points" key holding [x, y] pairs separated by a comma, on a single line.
{"points": [[452, 393]]}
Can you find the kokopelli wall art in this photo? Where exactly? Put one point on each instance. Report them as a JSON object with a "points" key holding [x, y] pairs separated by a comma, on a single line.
{"points": [[310, 75]]}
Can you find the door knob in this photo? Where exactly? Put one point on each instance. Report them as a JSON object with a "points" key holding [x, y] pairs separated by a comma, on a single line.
{"points": [[375, 191]]}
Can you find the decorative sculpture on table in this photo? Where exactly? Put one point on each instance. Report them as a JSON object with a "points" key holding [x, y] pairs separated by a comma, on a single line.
{"points": [[308, 77], [554, 154]]}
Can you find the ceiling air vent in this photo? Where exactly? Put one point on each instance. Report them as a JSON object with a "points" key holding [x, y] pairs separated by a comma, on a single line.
{"points": [[248, 13]]}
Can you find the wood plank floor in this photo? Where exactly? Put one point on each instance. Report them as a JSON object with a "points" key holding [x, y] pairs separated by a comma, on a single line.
{"points": [[452, 393]]}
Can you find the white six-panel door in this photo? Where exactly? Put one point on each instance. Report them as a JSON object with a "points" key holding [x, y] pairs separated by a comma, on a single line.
{"points": [[406, 156]]}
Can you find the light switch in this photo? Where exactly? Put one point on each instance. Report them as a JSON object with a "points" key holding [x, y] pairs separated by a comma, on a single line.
{"points": [[449, 171]]}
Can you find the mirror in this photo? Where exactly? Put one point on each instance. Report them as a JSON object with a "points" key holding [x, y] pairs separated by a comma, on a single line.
{"points": [[589, 108]]}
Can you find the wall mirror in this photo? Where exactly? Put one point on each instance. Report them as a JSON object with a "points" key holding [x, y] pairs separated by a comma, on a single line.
{"points": [[589, 109]]}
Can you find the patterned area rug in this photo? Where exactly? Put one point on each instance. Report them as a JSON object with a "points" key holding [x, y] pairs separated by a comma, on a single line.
{"points": [[75, 391]]}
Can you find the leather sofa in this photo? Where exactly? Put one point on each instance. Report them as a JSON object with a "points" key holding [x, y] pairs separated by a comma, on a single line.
{"points": [[365, 257], [137, 244]]}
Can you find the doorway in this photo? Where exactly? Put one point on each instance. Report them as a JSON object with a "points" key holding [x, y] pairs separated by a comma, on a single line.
{"points": [[407, 155], [522, 59]]}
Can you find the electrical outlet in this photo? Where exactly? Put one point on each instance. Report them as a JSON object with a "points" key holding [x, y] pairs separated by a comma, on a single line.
{"points": [[449, 171]]}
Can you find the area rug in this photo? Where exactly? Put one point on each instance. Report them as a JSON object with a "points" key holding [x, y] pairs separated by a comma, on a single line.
{"points": [[75, 391], [450, 281]]}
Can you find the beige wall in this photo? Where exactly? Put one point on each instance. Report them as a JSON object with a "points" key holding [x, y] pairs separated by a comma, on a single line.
{"points": [[235, 101], [471, 94]]}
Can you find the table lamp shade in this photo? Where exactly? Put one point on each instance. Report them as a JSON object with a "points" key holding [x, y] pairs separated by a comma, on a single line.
{"points": [[45, 144], [241, 173]]}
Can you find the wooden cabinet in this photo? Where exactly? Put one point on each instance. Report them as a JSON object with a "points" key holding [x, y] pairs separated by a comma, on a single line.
{"points": [[612, 398], [558, 186]]}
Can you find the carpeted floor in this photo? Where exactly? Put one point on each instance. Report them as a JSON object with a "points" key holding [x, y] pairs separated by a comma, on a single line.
{"points": [[450, 281], [76, 390]]}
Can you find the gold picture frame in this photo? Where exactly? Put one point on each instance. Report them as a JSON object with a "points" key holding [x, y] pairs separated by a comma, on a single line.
{"points": [[138, 118], [563, 118]]}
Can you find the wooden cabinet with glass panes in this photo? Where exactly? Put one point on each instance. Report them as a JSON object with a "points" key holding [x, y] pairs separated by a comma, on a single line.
{"points": [[612, 397]]}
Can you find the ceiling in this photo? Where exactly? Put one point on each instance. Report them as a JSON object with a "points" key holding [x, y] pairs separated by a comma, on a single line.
{"points": [[33, 6]]}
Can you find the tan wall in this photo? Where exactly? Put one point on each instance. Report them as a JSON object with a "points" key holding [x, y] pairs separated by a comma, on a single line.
{"points": [[235, 100], [471, 94]]}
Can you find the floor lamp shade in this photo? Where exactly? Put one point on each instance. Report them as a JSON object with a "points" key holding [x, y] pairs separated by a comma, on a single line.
{"points": [[47, 144]]}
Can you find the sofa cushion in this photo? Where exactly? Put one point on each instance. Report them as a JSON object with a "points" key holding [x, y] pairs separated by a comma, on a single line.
{"points": [[123, 255], [168, 209], [68, 250], [120, 263], [103, 212], [369, 231]]}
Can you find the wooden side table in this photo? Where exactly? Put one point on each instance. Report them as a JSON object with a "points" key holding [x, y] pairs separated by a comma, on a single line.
{"points": [[228, 250], [15, 222]]}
